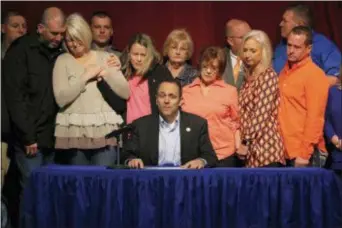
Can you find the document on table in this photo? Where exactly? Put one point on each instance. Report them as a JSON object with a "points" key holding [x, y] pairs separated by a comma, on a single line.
{"points": [[163, 167]]}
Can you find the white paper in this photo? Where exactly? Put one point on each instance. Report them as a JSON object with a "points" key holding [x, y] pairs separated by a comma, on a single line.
{"points": [[163, 167]]}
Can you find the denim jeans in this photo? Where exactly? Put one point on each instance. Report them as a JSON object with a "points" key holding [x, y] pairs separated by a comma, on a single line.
{"points": [[103, 156], [27, 163]]}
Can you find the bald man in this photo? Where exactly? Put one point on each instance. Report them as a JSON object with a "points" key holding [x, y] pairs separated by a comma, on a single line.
{"points": [[235, 31], [28, 92]]}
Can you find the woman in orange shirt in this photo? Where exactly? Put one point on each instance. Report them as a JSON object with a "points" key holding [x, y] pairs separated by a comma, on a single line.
{"points": [[261, 143], [209, 97]]}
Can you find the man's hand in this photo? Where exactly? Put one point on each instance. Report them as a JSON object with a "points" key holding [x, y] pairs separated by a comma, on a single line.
{"points": [[194, 164], [300, 162], [336, 141], [32, 149], [136, 163], [333, 80]]}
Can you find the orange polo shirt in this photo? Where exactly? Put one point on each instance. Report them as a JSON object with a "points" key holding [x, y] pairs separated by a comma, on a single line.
{"points": [[303, 98], [220, 108]]}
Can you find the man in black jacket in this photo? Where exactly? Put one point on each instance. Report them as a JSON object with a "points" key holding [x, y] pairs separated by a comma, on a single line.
{"points": [[171, 137], [28, 66], [13, 26]]}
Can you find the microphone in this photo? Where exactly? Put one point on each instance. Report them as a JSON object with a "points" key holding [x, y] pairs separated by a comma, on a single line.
{"points": [[124, 129]]}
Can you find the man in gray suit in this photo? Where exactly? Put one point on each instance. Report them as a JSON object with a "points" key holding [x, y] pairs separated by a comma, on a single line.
{"points": [[235, 31]]}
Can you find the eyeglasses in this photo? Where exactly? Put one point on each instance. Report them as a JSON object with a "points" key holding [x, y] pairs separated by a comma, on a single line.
{"points": [[212, 68]]}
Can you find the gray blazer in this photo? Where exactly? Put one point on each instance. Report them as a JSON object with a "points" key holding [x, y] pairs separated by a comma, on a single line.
{"points": [[228, 76]]}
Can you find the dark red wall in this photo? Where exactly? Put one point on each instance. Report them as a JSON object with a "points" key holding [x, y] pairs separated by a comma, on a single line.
{"points": [[204, 20]]}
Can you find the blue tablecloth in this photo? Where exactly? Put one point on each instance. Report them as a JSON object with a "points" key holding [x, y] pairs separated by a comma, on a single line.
{"points": [[66, 197]]}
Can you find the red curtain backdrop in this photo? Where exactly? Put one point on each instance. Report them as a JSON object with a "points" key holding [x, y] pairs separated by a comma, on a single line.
{"points": [[204, 20]]}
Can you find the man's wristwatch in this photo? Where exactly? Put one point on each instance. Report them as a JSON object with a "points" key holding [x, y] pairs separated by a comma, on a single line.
{"points": [[246, 142]]}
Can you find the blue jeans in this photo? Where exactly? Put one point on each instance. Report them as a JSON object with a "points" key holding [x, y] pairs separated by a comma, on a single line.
{"points": [[103, 156], [27, 163]]}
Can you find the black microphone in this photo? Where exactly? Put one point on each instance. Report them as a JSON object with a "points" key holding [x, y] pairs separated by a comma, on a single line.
{"points": [[124, 129]]}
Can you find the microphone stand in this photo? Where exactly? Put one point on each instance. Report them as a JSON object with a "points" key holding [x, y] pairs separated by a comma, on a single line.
{"points": [[118, 136]]}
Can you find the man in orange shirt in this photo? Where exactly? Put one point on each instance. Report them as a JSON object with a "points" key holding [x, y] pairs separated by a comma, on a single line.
{"points": [[304, 92]]}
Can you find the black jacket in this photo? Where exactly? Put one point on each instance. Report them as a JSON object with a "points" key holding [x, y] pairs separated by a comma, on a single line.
{"points": [[194, 136], [28, 66], [5, 122], [155, 76]]}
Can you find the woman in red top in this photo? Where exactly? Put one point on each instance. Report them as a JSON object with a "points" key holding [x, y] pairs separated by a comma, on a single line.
{"points": [[209, 97]]}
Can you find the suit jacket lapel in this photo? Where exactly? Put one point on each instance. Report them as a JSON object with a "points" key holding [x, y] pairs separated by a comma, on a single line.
{"points": [[228, 73], [153, 135], [184, 135], [240, 80]]}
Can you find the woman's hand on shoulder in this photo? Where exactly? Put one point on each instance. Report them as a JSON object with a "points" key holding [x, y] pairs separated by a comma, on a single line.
{"points": [[113, 61]]}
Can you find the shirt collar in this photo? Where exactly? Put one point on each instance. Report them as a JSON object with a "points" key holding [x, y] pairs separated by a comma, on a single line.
{"points": [[295, 66], [107, 48], [182, 75], [197, 82], [163, 123], [233, 55], [35, 41]]}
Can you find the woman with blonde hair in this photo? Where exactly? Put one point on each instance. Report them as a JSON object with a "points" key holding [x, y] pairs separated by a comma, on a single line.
{"points": [[84, 118], [261, 143], [177, 51], [141, 64]]}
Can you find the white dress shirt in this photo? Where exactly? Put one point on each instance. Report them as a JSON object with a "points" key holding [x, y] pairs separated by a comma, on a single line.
{"points": [[169, 142]]}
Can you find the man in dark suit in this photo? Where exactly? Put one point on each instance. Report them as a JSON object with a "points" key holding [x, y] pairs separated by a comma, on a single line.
{"points": [[171, 137], [235, 31]]}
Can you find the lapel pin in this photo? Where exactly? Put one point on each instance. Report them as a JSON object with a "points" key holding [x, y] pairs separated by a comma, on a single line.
{"points": [[188, 129]]}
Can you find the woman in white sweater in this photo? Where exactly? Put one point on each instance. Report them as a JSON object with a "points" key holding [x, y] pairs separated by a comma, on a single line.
{"points": [[84, 117]]}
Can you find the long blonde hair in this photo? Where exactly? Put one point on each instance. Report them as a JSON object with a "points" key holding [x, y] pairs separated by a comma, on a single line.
{"points": [[266, 47], [152, 56]]}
